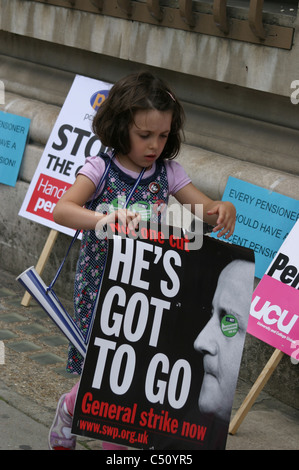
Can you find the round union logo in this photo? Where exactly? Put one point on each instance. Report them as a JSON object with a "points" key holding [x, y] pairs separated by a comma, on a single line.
{"points": [[98, 99], [229, 325]]}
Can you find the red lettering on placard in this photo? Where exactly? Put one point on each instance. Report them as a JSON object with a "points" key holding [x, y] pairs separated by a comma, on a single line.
{"points": [[45, 196]]}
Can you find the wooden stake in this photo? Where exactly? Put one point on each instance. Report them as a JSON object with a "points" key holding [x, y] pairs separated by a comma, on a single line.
{"points": [[255, 390], [42, 261]]}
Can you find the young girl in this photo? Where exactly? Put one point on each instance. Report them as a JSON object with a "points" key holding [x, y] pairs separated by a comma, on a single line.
{"points": [[142, 121]]}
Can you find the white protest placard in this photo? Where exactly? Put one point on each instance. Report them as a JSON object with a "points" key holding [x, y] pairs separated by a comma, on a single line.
{"points": [[70, 142]]}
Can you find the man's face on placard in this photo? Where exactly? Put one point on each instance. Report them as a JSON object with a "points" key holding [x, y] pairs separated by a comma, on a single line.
{"points": [[222, 339]]}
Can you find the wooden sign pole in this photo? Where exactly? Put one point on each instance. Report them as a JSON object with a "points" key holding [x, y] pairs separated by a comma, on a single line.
{"points": [[42, 261], [255, 390]]}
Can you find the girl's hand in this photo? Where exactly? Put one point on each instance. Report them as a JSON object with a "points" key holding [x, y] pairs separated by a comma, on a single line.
{"points": [[70, 210], [126, 217], [226, 220]]}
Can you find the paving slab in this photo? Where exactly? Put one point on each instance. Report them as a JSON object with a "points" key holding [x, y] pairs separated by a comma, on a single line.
{"points": [[23, 346], [12, 318], [46, 358], [7, 334], [19, 431]]}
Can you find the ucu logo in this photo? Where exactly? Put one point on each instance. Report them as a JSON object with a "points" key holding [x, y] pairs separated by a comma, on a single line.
{"points": [[272, 314]]}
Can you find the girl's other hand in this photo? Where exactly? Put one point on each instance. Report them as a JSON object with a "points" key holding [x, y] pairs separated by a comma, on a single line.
{"points": [[226, 220]]}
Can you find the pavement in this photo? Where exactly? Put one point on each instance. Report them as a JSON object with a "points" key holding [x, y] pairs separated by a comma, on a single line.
{"points": [[33, 377]]}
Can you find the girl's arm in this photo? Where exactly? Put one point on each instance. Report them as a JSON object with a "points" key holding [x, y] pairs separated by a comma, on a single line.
{"points": [[221, 214], [69, 210]]}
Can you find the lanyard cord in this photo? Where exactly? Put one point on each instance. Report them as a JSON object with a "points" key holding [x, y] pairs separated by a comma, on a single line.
{"points": [[134, 188], [125, 205]]}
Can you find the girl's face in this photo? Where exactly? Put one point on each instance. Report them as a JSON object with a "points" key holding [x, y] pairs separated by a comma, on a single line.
{"points": [[148, 136]]}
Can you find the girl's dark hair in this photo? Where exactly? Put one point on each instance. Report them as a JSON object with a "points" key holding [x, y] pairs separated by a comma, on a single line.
{"points": [[141, 91]]}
